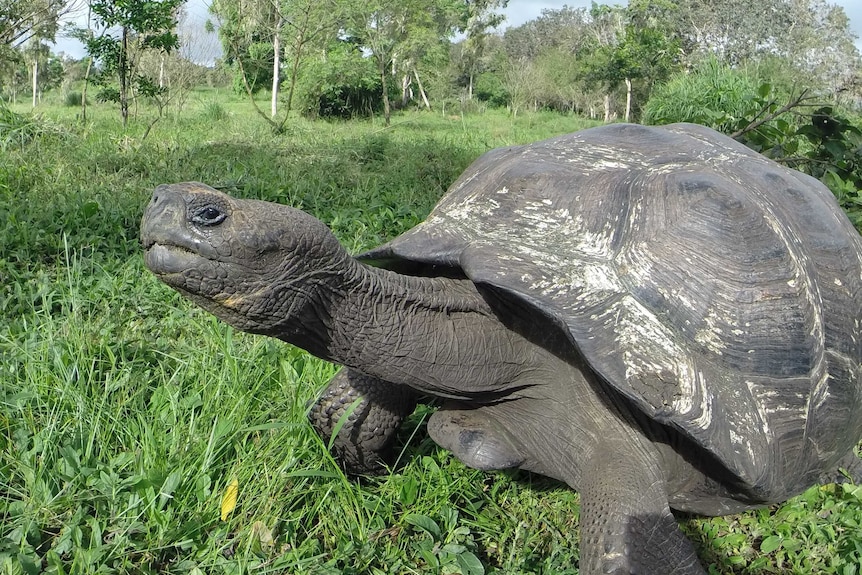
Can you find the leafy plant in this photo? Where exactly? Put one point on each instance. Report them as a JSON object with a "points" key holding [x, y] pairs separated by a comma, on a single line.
{"points": [[447, 546], [18, 130], [213, 111], [791, 129]]}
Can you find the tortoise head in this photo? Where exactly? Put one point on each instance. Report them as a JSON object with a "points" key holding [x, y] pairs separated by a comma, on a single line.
{"points": [[261, 267]]}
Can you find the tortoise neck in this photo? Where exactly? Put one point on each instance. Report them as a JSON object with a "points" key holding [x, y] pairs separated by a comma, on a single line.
{"points": [[436, 334]]}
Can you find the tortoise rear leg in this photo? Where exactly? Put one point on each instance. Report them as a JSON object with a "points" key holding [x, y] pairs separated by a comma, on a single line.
{"points": [[626, 523], [363, 445]]}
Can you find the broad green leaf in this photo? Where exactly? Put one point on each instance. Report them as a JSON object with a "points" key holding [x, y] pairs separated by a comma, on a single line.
{"points": [[169, 486], [771, 543], [29, 566], [470, 564], [409, 491], [425, 523], [90, 209]]}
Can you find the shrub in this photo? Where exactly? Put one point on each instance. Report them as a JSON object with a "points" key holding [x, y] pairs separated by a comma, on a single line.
{"points": [[346, 85], [73, 99], [713, 95], [213, 111], [815, 140]]}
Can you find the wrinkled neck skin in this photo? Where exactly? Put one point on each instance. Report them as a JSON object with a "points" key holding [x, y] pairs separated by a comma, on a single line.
{"points": [[437, 335]]}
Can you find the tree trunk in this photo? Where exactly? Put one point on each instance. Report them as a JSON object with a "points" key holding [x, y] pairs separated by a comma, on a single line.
{"points": [[387, 112], [405, 89], [35, 80], [276, 67], [124, 78], [294, 73], [421, 89], [628, 98], [84, 90], [470, 87], [607, 107], [162, 71]]}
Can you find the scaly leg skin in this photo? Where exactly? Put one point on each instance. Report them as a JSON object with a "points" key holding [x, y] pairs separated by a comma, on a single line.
{"points": [[626, 523], [363, 445]]}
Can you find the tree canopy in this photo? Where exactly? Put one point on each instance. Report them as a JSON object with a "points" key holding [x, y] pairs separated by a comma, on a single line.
{"points": [[354, 57]]}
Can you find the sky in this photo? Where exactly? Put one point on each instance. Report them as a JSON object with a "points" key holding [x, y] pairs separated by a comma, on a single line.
{"points": [[517, 12]]}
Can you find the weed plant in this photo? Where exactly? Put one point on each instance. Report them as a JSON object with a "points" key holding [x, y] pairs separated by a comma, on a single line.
{"points": [[125, 412]]}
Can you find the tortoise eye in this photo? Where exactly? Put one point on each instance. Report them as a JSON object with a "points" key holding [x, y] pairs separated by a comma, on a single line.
{"points": [[208, 216]]}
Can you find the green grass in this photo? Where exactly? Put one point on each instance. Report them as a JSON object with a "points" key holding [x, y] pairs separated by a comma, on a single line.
{"points": [[125, 411]]}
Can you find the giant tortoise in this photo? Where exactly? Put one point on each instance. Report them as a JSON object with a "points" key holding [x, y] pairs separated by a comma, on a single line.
{"points": [[657, 316]]}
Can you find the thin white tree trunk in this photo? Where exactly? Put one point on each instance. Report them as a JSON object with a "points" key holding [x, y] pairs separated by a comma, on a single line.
{"points": [[276, 67], [607, 107], [421, 89], [162, 71], [35, 80], [405, 89], [628, 98]]}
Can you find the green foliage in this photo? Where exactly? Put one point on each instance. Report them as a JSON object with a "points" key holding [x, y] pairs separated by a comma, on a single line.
{"points": [[835, 157], [18, 130], [108, 94], [72, 99], [490, 88], [149, 24], [815, 140], [342, 84], [125, 411], [254, 71], [712, 94]]}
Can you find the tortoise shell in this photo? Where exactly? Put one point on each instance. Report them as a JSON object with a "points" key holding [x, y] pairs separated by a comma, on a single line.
{"points": [[716, 290]]}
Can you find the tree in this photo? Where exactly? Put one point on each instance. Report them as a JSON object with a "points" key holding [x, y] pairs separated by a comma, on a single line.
{"points": [[307, 22], [36, 54], [338, 81], [381, 26], [27, 22], [395, 32], [477, 18], [148, 24], [813, 35], [250, 31], [630, 45], [820, 45], [567, 29], [606, 66], [22, 20], [181, 70]]}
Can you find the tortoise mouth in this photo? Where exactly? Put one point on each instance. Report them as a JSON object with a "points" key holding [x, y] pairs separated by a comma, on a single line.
{"points": [[167, 259]]}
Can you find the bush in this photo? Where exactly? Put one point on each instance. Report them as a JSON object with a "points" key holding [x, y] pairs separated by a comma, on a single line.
{"points": [[73, 99], [490, 88], [713, 95], [346, 85], [815, 140], [213, 111]]}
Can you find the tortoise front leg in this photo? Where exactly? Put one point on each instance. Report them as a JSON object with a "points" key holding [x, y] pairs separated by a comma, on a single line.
{"points": [[363, 445], [626, 523]]}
